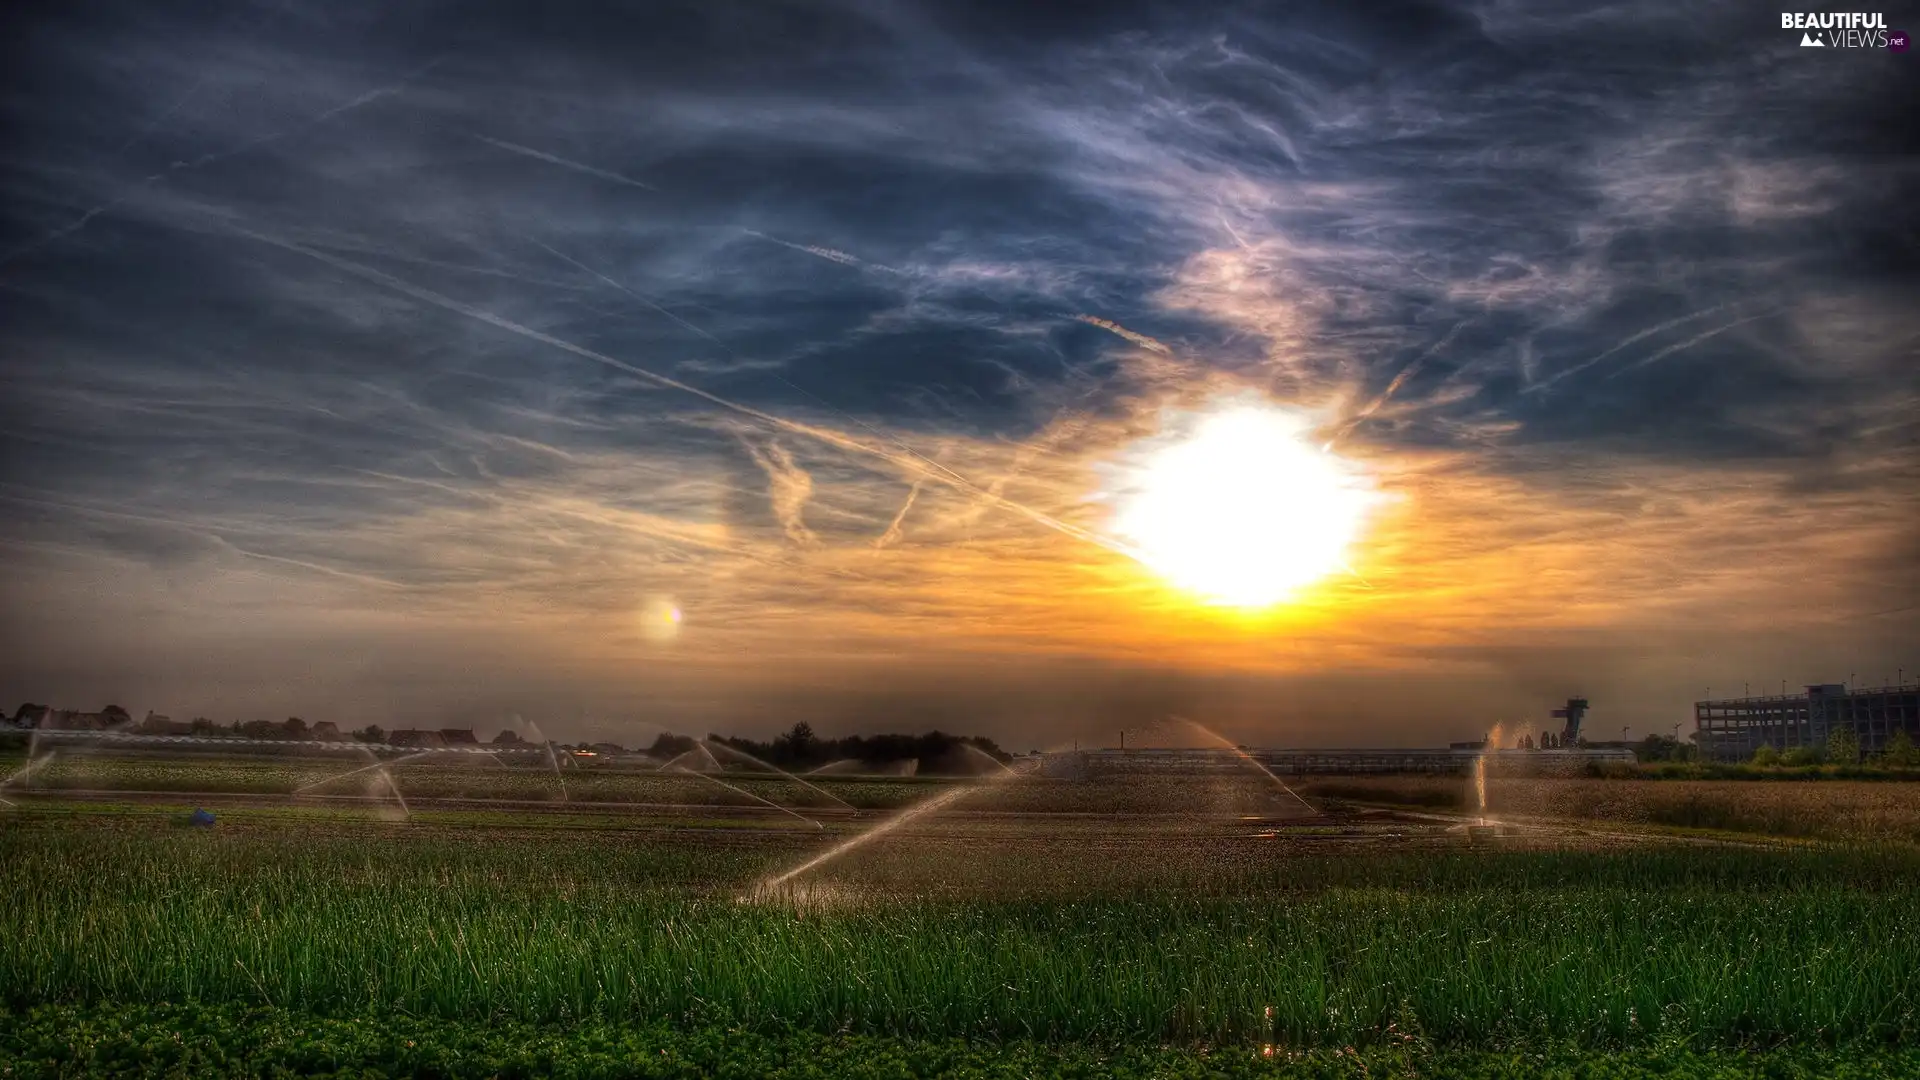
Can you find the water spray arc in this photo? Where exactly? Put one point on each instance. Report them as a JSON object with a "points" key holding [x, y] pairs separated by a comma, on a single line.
{"points": [[1480, 769], [742, 754], [1248, 758], [552, 760], [386, 777], [988, 758], [25, 772], [918, 810], [381, 765], [742, 791]]}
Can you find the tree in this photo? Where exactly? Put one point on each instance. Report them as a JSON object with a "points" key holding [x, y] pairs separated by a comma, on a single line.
{"points": [[294, 728], [669, 746], [1899, 753], [1843, 746], [1804, 755], [1766, 756], [797, 745], [508, 737], [370, 734], [1657, 748]]}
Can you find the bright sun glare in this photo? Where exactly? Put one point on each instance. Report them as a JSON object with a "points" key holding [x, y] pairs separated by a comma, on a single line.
{"points": [[1246, 510]]}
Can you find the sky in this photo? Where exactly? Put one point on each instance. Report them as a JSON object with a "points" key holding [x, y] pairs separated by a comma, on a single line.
{"points": [[714, 366]]}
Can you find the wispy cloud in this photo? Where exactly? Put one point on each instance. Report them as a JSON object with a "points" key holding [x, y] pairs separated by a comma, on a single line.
{"points": [[789, 487]]}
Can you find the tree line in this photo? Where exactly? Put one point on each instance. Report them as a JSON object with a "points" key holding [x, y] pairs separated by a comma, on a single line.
{"points": [[936, 752]]}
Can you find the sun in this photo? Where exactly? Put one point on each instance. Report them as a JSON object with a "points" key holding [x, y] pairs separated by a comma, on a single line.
{"points": [[1244, 510]]}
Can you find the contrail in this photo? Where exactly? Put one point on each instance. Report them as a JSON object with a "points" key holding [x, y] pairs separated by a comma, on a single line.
{"points": [[1691, 342], [166, 113], [1629, 340], [730, 351], [1235, 233], [895, 528], [1406, 373], [827, 253], [541, 155], [80, 222], [911, 464], [682, 323], [208, 532], [1136, 337]]}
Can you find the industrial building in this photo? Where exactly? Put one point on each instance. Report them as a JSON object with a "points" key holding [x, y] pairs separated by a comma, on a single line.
{"points": [[1732, 729]]}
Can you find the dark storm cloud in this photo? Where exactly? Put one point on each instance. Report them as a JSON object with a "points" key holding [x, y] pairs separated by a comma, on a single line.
{"points": [[321, 288]]}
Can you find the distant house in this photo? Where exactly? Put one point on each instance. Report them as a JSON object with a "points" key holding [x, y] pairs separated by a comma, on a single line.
{"points": [[458, 737], [326, 731], [73, 720], [417, 738]]}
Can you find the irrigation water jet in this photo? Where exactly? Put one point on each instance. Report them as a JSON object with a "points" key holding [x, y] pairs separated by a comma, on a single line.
{"points": [[751, 795], [534, 729], [1248, 758], [918, 810], [26, 771], [699, 752], [989, 758], [75, 749], [393, 786], [1480, 769], [768, 764], [304, 788]]}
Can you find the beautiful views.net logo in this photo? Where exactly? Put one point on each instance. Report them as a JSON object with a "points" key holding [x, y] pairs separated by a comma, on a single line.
{"points": [[1844, 30]]}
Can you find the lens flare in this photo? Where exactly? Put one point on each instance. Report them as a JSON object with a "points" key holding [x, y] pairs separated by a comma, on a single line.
{"points": [[1245, 509], [660, 621]]}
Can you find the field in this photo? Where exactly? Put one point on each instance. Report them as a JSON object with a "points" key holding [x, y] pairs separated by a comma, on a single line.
{"points": [[654, 925], [1856, 811]]}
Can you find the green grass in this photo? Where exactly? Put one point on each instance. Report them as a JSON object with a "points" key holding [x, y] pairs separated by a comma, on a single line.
{"points": [[458, 925], [230, 1041]]}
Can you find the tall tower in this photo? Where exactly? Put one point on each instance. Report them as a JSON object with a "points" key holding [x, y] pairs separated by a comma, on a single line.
{"points": [[1576, 708]]}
